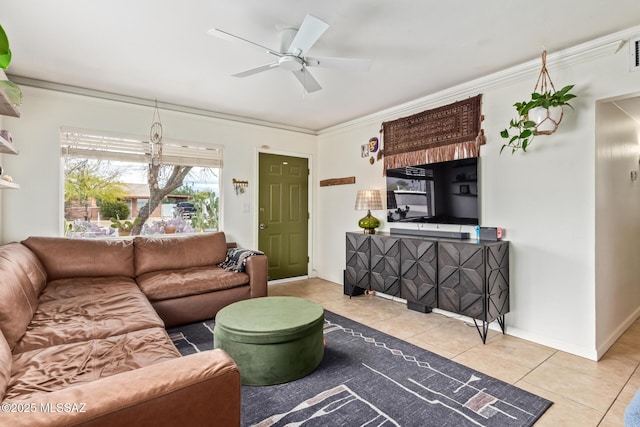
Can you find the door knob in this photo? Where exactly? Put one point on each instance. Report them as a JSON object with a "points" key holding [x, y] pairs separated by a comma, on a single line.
{"points": [[262, 226]]}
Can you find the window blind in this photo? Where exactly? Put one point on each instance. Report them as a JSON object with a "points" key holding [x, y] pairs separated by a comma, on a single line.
{"points": [[106, 145]]}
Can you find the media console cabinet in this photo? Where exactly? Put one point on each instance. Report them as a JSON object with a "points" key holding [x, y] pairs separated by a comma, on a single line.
{"points": [[468, 277]]}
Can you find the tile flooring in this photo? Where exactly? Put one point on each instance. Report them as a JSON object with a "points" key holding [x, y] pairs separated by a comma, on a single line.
{"points": [[585, 393]]}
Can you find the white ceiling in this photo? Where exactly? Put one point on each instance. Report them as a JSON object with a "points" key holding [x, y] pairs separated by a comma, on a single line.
{"points": [[159, 49]]}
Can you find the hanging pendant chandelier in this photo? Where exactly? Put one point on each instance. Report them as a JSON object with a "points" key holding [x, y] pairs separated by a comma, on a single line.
{"points": [[155, 138]]}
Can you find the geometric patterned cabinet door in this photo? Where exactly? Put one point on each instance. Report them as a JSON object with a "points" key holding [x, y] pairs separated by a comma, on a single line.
{"points": [[473, 280], [461, 279], [418, 271], [358, 255], [497, 256], [385, 265]]}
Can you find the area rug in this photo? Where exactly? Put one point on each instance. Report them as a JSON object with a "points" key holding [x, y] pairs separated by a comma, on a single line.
{"points": [[368, 378]]}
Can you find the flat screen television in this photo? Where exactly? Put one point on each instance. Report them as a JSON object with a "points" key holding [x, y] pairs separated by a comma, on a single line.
{"points": [[439, 193]]}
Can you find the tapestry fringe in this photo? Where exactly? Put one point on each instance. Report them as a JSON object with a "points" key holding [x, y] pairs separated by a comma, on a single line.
{"points": [[405, 159], [462, 150]]}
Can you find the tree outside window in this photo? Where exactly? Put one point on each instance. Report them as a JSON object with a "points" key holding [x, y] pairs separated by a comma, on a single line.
{"points": [[111, 184]]}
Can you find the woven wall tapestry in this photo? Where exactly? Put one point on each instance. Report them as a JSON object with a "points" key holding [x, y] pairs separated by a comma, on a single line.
{"points": [[445, 133]]}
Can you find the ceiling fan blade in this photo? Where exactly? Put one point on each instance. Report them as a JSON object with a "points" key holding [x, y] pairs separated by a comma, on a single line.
{"points": [[308, 82], [309, 33], [216, 32], [256, 70], [352, 64]]}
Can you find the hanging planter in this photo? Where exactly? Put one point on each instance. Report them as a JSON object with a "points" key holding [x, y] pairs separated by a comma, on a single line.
{"points": [[541, 115], [547, 120]]}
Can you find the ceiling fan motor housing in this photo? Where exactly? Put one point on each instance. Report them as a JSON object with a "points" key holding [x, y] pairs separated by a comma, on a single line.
{"points": [[291, 63]]}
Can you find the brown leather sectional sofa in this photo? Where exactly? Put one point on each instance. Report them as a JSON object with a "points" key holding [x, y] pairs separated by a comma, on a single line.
{"points": [[83, 339]]}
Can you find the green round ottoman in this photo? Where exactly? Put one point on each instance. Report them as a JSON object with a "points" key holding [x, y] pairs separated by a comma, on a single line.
{"points": [[273, 340]]}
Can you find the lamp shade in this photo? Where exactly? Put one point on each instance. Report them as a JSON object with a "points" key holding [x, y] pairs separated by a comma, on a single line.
{"points": [[368, 200]]}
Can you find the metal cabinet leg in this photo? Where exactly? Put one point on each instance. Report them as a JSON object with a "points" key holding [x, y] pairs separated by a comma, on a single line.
{"points": [[485, 328]]}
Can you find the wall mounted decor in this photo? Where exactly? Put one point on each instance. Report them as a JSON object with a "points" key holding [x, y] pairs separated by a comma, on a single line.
{"points": [[239, 186], [364, 150], [541, 115], [337, 181], [445, 133], [373, 144]]}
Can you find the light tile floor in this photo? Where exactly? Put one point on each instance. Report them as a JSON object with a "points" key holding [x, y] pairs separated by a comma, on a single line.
{"points": [[585, 393]]}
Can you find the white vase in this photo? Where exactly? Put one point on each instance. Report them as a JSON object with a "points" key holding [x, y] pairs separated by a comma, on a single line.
{"points": [[546, 119]]}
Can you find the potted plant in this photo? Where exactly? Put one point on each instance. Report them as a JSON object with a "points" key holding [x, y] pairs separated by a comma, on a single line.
{"points": [[170, 228], [124, 228], [11, 89], [541, 115]]}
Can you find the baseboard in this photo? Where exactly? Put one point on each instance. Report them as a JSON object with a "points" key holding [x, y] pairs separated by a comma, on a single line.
{"points": [[288, 279], [617, 333]]}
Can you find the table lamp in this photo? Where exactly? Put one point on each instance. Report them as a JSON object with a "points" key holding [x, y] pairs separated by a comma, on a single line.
{"points": [[367, 200]]}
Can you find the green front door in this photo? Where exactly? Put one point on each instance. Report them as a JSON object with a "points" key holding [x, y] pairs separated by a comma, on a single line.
{"points": [[283, 214]]}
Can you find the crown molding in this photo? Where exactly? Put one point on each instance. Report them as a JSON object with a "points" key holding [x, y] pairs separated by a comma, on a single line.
{"points": [[603, 46], [77, 90]]}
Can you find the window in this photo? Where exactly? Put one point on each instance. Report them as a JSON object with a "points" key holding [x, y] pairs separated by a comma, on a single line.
{"points": [[107, 190]]}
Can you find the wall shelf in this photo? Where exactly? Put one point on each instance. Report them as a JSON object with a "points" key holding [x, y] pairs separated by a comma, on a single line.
{"points": [[6, 185], [7, 147], [6, 106]]}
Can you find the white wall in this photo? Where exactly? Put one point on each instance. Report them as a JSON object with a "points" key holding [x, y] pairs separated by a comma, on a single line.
{"points": [[3, 76], [545, 199], [36, 209], [617, 223]]}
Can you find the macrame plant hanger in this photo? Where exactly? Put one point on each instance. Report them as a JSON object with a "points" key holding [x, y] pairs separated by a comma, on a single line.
{"points": [[547, 119]]}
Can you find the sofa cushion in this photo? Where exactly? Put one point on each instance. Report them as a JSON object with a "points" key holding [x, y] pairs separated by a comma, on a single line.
{"points": [[30, 264], [176, 252], [5, 365], [54, 368], [22, 278], [80, 309], [64, 257], [161, 285]]}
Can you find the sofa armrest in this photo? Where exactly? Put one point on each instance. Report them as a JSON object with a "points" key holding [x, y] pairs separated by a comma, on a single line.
{"points": [[195, 390], [257, 268]]}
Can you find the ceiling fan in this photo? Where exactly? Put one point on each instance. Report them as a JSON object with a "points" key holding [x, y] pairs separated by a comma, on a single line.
{"points": [[292, 56]]}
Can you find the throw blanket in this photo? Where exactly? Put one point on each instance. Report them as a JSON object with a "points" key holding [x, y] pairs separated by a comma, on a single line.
{"points": [[237, 259]]}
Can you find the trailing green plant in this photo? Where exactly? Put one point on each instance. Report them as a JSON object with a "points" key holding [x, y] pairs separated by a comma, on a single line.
{"points": [[124, 225], [521, 130]]}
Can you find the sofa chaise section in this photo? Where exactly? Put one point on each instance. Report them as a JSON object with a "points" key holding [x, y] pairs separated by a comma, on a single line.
{"points": [[182, 279], [201, 389]]}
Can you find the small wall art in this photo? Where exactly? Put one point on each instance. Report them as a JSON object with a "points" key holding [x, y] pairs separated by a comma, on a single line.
{"points": [[364, 150], [373, 144]]}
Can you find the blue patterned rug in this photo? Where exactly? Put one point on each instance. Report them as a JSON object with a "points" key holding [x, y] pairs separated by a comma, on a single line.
{"points": [[368, 378]]}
